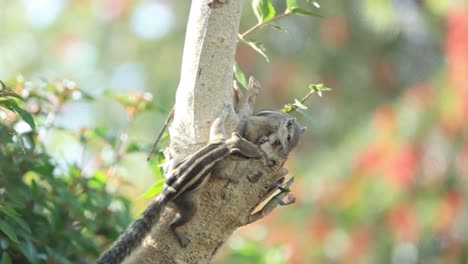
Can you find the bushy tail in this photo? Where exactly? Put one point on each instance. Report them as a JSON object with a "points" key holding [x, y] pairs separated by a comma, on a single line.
{"points": [[132, 237]]}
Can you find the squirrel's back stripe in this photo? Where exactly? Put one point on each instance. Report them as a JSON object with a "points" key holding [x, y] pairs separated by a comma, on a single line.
{"points": [[190, 161], [200, 168]]}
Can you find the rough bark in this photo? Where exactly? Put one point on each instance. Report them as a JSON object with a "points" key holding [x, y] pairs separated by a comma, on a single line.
{"points": [[204, 90]]}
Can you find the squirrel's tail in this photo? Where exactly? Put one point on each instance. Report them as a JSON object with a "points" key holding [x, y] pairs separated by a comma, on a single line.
{"points": [[135, 233]]}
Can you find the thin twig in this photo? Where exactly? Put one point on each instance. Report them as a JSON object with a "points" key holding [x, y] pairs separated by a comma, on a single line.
{"points": [[168, 119], [259, 25], [307, 96], [121, 143]]}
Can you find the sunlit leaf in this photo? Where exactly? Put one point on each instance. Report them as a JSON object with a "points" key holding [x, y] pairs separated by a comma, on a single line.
{"points": [[300, 11], [154, 190], [102, 132], [50, 88], [156, 165], [299, 104], [31, 176], [288, 108], [290, 5], [5, 91], [319, 88], [240, 76], [100, 176], [257, 46], [263, 10], [293, 8], [99, 131], [25, 115]]}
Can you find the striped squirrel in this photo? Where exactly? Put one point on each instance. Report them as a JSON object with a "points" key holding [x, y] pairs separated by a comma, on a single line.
{"points": [[275, 127], [182, 184]]}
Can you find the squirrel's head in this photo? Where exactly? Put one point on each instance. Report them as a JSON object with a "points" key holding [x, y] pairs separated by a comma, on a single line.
{"points": [[289, 134]]}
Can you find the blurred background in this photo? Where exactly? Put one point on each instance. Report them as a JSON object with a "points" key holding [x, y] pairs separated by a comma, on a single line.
{"points": [[382, 171]]}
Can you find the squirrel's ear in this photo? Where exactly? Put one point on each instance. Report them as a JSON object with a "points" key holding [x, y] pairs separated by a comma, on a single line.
{"points": [[291, 122], [236, 95], [303, 129], [236, 135]]}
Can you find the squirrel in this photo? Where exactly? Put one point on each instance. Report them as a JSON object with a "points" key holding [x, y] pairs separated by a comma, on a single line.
{"points": [[184, 179], [274, 126]]}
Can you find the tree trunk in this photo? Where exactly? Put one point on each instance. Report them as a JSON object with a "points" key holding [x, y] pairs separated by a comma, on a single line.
{"points": [[206, 75], [204, 91]]}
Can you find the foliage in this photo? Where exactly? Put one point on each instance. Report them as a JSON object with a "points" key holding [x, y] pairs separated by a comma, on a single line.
{"points": [[314, 88], [381, 170], [51, 213]]}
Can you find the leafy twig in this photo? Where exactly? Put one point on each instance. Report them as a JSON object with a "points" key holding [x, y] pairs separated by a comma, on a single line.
{"points": [[314, 88], [166, 123], [264, 23]]}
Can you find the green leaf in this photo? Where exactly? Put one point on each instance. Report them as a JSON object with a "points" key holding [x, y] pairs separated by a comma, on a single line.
{"points": [[16, 217], [240, 76], [50, 88], [299, 104], [25, 115], [6, 258], [288, 108], [165, 137], [99, 176], [319, 88], [122, 98], [4, 94], [156, 188], [9, 231], [263, 10], [316, 4], [257, 46], [133, 147], [156, 166], [300, 11], [277, 26], [99, 131], [86, 96], [290, 5], [103, 133], [29, 251], [7, 103], [5, 91], [293, 8]]}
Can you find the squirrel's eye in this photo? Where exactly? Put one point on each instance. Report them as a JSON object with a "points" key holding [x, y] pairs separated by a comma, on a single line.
{"points": [[289, 137]]}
